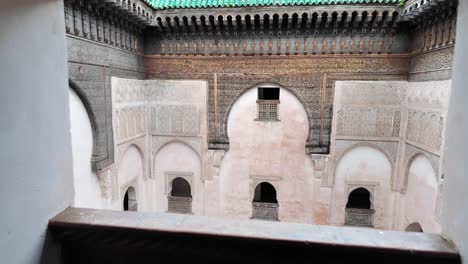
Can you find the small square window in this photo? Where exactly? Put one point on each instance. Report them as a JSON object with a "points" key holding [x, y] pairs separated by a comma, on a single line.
{"points": [[267, 103], [268, 93]]}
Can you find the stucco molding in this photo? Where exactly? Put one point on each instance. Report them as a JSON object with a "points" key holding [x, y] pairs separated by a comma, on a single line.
{"points": [[124, 187], [255, 180], [409, 161], [301, 99], [389, 149], [194, 143], [369, 186], [172, 175], [140, 146]]}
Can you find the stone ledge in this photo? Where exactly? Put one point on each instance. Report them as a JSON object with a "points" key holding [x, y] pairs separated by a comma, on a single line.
{"points": [[72, 224]]}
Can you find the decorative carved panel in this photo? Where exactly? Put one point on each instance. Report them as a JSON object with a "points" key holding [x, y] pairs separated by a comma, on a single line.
{"points": [[159, 141], [182, 205], [425, 129], [389, 148], [300, 74], [265, 211], [359, 217], [432, 61], [131, 122], [411, 152], [175, 120], [107, 180], [368, 122]]}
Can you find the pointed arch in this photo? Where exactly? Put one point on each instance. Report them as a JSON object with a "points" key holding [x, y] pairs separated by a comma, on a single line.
{"points": [[408, 164], [365, 144], [263, 83], [141, 154]]}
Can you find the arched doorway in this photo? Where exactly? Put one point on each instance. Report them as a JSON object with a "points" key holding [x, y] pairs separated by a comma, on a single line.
{"points": [[130, 200], [180, 197], [414, 227], [359, 210], [265, 205]]}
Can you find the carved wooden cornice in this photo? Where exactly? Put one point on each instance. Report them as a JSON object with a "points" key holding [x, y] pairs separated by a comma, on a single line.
{"points": [[135, 12], [335, 20], [428, 11]]}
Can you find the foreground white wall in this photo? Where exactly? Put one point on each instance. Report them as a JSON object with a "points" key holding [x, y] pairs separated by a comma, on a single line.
{"points": [[265, 151], [86, 182], [455, 199], [36, 158]]}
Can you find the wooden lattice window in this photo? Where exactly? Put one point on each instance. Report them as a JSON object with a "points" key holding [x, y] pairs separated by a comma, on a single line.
{"points": [[267, 103]]}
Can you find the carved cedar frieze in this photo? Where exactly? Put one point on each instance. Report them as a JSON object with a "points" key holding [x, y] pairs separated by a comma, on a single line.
{"points": [[432, 61], [303, 76], [108, 24]]}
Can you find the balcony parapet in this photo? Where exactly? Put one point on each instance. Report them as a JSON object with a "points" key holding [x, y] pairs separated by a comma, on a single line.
{"points": [[101, 236]]}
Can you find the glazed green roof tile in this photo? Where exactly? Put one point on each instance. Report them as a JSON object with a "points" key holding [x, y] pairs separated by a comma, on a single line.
{"points": [[173, 4]]}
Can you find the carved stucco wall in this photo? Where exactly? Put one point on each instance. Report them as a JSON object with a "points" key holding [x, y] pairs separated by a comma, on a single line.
{"points": [[311, 80], [266, 151], [402, 120], [177, 159], [147, 116], [162, 120], [420, 201], [370, 168]]}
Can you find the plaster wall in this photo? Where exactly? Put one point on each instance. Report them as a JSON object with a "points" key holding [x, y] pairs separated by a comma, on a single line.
{"points": [[404, 121], [421, 197], [159, 126], [373, 147], [365, 167], [177, 158], [129, 173], [36, 155], [86, 182], [91, 66], [265, 151], [455, 200]]}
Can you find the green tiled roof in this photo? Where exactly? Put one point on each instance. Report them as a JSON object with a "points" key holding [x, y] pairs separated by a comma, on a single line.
{"points": [[171, 4]]}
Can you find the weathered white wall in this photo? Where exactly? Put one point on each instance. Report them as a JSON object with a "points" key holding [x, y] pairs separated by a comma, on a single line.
{"points": [[373, 141], [86, 183], [421, 196], [265, 151], [147, 116], [177, 157], [401, 119], [366, 167], [129, 173], [36, 155], [455, 200]]}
